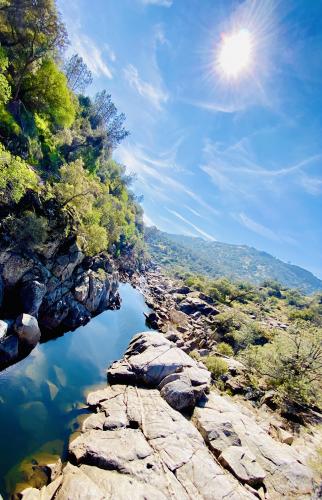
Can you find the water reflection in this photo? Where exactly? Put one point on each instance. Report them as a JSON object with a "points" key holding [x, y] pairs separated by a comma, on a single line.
{"points": [[41, 397]]}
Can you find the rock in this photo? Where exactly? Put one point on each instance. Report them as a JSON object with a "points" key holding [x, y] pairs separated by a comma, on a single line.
{"points": [[242, 463], [172, 336], [152, 320], [31, 296], [203, 352], [286, 474], [3, 329], [9, 350], [164, 456], [194, 305], [151, 358], [52, 389], [27, 330], [1, 291], [66, 264], [282, 435]]}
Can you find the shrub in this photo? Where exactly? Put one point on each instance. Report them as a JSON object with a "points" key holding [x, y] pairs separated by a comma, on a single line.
{"points": [[194, 355], [225, 349], [15, 175], [29, 231], [291, 363], [216, 366]]}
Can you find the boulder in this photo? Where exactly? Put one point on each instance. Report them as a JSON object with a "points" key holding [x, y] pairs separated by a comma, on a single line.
{"points": [[3, 329], [194, 306], [65, 264], [151, 358], [27, 330], [242, 463], [9, 350], [31, 296]]}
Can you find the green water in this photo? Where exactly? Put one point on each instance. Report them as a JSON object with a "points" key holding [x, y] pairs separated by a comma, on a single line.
{"points": [[42, 396]]}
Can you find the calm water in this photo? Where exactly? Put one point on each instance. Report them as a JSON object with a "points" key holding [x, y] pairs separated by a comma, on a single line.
{"points": [[42, 396]]}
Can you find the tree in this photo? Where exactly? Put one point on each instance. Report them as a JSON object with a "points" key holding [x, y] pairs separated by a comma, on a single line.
{"points": [[104, 114], [5, 89], [46, 92], [77, 73], [15, 176], [29, 31]]}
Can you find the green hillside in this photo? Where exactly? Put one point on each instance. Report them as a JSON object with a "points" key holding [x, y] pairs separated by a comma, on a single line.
{"points": [[236, 262]]}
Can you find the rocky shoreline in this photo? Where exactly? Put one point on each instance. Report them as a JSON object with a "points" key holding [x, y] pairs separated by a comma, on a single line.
{"points": [[160, 431]]}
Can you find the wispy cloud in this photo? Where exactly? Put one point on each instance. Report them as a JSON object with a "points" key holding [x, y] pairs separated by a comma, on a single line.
{"points": [[155, 94], [233, 169], [92, 55], [147, 220], [257, 228], [160, 3], [193, 211], [154, 173], [312, 185], [262, 230], [196, 228]]}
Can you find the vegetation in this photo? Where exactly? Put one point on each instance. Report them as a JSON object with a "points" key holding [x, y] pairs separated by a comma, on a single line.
{"points": [[216, 366], [291, 363], [234, 262], [275, 331], [57, 143]]}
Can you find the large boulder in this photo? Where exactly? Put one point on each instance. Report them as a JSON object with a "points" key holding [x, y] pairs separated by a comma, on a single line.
{"points": [[153, 360], [27, 330]]}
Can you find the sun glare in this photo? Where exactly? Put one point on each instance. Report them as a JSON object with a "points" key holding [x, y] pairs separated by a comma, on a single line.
{"points": [[235, 55]]}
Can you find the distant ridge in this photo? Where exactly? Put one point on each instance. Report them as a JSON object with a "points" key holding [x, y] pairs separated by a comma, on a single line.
{"points": [[236, 262]]}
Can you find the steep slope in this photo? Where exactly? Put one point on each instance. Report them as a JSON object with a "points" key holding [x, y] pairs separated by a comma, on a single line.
{"points": [[236, 262]]}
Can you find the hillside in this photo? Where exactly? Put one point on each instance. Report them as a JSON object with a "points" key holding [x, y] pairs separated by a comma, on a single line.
{"points": [[236, 262]]}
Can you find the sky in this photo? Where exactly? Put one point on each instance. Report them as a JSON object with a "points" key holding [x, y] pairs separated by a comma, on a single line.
{"points": [[235, 159]]}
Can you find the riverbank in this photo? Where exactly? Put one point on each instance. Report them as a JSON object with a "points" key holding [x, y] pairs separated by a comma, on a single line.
{"points": [[160, 430], [42, 396]]}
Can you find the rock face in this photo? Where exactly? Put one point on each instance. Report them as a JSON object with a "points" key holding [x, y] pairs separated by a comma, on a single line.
{"points": [[135, 445], [153, 360], [58, 286], [257, 457]]}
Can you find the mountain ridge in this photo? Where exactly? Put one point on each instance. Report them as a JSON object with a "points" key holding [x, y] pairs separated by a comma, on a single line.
{"points": [[236, 262]]}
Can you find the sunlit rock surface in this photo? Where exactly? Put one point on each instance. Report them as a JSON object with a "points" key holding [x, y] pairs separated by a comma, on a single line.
{"points": [[135, 445]]}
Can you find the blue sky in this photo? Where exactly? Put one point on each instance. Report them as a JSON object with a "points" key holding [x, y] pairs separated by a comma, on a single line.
{"points": [[235, 160]]}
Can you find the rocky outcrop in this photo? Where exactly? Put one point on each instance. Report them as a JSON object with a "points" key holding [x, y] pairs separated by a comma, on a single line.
{"points": [[156, 362], [134, 444], [61, 292]]}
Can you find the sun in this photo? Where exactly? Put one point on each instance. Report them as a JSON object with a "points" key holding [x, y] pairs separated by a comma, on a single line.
{"points": [[235, 54]]}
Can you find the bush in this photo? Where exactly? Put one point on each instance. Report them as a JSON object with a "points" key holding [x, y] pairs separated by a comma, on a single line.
{"points": [[29, 231], [15, 176], [225, 349], [291, 363], [216, 366]]}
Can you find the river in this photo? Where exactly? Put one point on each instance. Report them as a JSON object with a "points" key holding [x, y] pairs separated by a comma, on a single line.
{"points": [[42, 396]]}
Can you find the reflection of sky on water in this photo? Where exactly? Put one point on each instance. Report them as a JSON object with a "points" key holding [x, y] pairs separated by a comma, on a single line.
{"points": [[40, 395]]}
